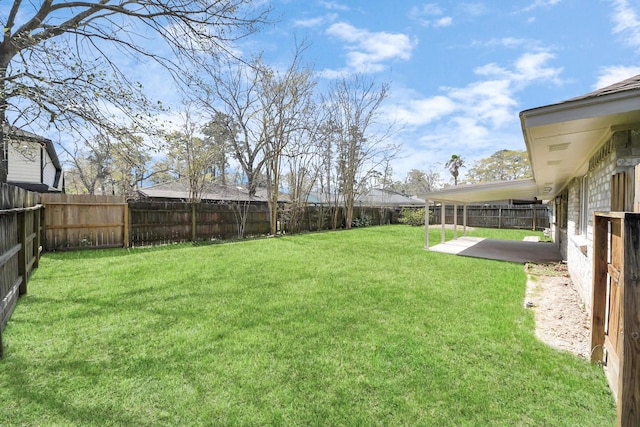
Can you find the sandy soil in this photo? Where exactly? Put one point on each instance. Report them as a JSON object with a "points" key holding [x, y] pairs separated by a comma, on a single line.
{"points": [[561, 320]]}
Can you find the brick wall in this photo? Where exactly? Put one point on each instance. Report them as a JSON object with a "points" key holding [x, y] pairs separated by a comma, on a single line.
{"points": [[618, 154]]}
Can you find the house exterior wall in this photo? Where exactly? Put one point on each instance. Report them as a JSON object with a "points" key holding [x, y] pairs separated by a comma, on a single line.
{"points": [[49, 172], [24, 165], [616, 155]]}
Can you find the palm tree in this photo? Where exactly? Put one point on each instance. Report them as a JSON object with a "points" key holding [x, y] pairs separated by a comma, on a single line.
{"points": [[454, 164]]}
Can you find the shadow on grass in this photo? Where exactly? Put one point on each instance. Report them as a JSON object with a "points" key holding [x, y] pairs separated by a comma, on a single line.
{"points": [[49, 400]]}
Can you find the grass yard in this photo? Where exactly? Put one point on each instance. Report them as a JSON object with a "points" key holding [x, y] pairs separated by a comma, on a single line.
{"points": [[358, 327]]}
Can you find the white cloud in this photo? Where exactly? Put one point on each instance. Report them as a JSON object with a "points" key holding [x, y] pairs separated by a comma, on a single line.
{"points": [[419, 112], [540, 3], [367, 51], [430, 14], [615, 74], [333, 5], [474, 9], [530, 66], [315, 22], [490, 101], [626, 22], [508, 42], [443, 22]]}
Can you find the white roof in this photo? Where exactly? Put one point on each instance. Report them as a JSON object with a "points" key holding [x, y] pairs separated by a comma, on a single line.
{"points": [[486, 191]]}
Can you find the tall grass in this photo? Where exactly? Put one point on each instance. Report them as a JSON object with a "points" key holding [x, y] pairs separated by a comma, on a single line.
{"points": [[341, 328]]}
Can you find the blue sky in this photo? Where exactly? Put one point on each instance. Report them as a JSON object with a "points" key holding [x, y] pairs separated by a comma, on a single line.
{"points": [[460, 72]]}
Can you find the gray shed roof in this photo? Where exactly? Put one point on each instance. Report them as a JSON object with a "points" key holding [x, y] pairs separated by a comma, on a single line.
{"points": [[382, 197], [212, 192]]}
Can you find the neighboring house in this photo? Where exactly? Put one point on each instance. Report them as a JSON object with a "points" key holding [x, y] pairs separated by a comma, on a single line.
{"points": [[578, 149], [378, 197], [179, 192], [33, 162]]}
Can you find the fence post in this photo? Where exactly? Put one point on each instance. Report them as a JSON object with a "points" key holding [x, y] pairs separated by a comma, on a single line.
{"points": [[22, 254], [599, 292], [42, 232], [629, 396], [499, 217], [37, 241], [126, 232], [194, 222]]}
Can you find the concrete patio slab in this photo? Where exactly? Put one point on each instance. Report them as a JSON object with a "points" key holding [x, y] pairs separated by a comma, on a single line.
{"points": [[501, 250]]}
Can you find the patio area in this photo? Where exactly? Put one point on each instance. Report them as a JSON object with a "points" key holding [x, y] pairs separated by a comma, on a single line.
{"points": [[501, 250]]}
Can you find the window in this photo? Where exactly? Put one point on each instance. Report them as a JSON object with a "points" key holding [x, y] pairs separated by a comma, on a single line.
{"points": [[584, 206], [561, 210]]}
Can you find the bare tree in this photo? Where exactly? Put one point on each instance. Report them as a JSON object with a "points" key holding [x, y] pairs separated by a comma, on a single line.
{"points": [[235, 97], [286, 106], [418, 182], [105, 166], [304, 164], [354, 108], [57, 63], [193, 154]]}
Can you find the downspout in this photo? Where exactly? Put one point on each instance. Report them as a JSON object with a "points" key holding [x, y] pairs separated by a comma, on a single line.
{"points": [[42, 164]]}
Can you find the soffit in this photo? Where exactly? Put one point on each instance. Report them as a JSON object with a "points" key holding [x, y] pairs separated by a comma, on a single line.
{"points": [[561, 138]]}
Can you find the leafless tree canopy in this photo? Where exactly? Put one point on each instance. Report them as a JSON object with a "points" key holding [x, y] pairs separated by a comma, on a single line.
{"points": [[59, 60]]}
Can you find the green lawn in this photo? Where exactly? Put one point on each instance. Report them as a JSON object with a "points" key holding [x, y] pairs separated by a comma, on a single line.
{"points": [[357, 327]]}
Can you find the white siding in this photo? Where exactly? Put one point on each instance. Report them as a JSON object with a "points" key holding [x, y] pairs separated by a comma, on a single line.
{"points": [[49, 171], [24, 168]]}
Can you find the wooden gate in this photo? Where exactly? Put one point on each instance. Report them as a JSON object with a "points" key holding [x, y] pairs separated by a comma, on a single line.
{"points": [[615, 339]]}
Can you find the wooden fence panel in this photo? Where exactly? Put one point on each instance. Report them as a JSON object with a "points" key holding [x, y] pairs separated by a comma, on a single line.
{"points": [[615, 324], [518, 217], [317, 218], [75, 221], [19, 246], [173, 222]]}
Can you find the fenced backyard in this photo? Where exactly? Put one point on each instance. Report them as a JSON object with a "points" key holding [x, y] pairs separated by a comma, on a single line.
{"points": [[82, 221], [347, 328]]}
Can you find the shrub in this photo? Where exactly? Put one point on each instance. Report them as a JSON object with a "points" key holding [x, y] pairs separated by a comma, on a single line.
{"points": [[414, 217], [360, 222]]}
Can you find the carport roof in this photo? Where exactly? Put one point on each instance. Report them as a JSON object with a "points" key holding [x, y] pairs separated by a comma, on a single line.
{"points": [[486, 191]]}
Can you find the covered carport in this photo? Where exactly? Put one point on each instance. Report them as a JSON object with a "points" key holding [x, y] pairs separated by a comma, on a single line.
{"points": [[464, 195]]}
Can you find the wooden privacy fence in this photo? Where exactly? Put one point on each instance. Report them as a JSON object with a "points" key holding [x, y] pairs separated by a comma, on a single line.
{"points": [[615, 327], [534, 217], [83, 221], [74, 221], [20, 237], [168, 222], [317, 218]]}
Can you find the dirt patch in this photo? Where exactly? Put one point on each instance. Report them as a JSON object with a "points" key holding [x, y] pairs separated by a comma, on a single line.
{"points": [[561, 320]]}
